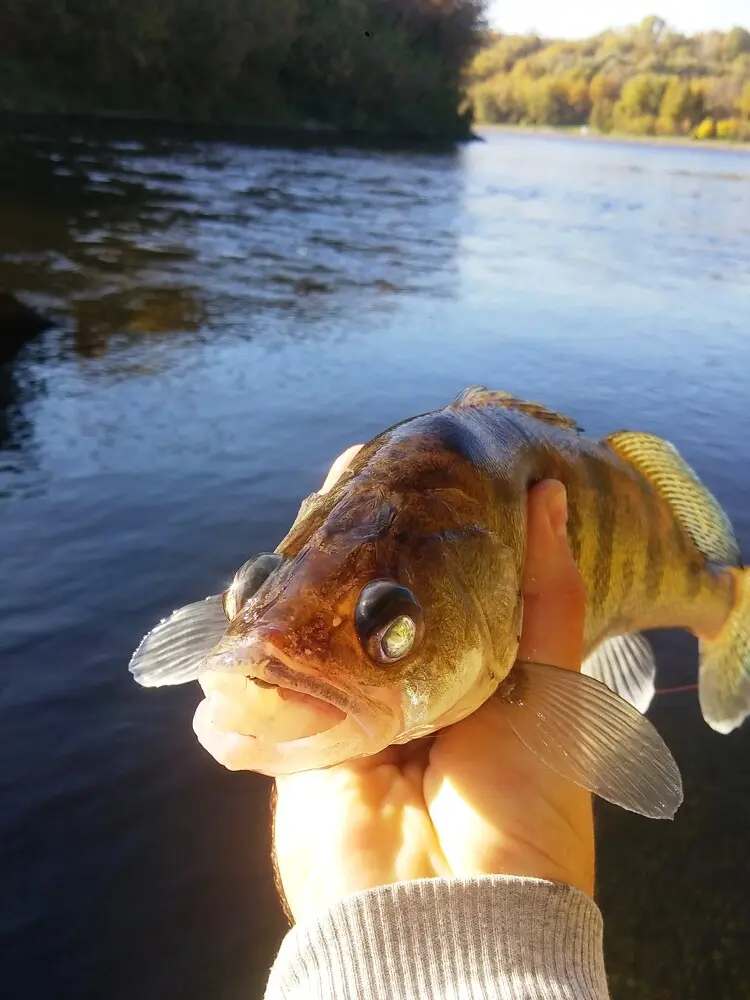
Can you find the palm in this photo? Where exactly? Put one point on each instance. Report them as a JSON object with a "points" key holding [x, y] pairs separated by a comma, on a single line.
{"points": [[473, 801]]}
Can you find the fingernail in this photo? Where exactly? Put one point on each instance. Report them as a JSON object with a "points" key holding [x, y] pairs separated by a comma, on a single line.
{"points": [[558, 514]]}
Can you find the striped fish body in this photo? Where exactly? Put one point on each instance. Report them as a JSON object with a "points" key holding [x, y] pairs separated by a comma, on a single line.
{"points": [[641, 567], [654, 548]]}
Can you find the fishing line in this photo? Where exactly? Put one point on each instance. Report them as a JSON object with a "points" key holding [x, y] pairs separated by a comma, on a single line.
{"points": [[677, 690]]}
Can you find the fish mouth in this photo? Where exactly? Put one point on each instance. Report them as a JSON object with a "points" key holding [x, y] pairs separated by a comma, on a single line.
{"points": [[266, 712], [275, 673]]}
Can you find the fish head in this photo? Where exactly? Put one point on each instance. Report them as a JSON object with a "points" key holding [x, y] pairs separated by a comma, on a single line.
{"points": [[370, 629]]}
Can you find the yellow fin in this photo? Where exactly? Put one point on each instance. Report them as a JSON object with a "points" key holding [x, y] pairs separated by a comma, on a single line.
{"points": [[724, 678], [477, 395], [696, 510]]}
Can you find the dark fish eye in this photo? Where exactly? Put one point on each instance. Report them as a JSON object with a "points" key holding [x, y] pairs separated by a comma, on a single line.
{"points": [[389, 621], [248, 579]]}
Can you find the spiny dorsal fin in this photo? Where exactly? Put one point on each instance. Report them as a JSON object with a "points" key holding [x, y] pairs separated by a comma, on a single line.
{"points": [[697, 511], [478, 395]]}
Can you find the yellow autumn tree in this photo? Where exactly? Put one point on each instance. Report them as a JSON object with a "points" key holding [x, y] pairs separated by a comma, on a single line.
{"points": [[646, 78]]}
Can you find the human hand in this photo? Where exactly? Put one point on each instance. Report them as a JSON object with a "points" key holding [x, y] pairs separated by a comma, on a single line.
{"points": [[470, 801]]}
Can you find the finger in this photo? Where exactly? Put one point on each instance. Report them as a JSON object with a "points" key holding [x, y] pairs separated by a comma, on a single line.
{"points": [[338, 467], [277, 880], [553, 591]]}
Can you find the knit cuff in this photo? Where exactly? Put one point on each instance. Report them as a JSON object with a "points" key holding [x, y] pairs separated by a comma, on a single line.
{"points": [[495, 937]]}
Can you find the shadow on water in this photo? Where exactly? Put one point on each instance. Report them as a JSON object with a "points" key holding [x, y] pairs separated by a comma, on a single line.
{"points": [[23, 383], [16, 392]]}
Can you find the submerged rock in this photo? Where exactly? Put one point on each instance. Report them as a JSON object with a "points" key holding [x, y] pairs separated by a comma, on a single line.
{"points": [[18, 325]]}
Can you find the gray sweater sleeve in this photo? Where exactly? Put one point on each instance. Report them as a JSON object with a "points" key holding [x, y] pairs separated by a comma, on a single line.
{"points": [[491, 938]]}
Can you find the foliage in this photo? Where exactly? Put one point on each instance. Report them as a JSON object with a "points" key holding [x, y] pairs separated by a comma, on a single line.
{"points": [[730, 128], [376, 65], [743, 104], [706, 129], [645, 79]]}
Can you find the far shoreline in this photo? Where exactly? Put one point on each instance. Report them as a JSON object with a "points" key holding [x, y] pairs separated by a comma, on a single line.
{"points": [[574, 132]]}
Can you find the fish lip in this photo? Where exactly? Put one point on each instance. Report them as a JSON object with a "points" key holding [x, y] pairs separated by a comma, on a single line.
{"points": [[266, 662], [289, 756]]}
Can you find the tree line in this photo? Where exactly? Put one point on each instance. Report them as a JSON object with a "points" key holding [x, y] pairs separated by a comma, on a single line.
{"points": [[383, 66], [644, 80]]}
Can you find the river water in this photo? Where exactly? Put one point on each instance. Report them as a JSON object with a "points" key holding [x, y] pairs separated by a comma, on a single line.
{"points": [[230, 318]]}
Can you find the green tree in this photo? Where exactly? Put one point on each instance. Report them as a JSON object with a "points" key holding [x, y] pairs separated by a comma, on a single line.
{"points": [[602, 115], [604, 88], [743, 102], [681, 107], [641, 95], [379, 65], [736, 42], [496, 101], [546, 102], [729, 128]]}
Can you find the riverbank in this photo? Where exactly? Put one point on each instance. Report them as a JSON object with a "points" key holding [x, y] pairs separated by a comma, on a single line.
{"points": [[591, 135], [295, 132], [290, 129]]}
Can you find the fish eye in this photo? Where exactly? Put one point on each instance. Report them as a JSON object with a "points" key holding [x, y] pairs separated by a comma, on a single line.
{"points": [[389, 621], [248, 580]]}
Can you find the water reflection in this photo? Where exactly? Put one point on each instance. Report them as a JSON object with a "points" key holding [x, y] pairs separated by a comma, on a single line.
{"points": [[124, 239], [127, 314]]}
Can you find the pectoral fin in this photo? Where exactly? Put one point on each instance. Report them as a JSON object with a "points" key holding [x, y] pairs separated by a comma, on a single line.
{"points": [[625, 663], [594, 738], [173, 651]]}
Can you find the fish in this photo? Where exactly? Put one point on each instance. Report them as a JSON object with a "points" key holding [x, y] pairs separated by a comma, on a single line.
{"points": [[393, 606]]}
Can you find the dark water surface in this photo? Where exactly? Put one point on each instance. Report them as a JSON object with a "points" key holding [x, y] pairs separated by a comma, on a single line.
{"points": [[231, 319]]}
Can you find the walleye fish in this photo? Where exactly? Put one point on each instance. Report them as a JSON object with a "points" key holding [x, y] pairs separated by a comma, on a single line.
{"points": [[393, 607]]}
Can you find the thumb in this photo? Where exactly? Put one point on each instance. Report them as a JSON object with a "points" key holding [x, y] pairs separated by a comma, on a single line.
{"points": [[553, 591]]}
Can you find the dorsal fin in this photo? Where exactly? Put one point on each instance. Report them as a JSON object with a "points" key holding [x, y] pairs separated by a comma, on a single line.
{"points": [[697, 511], [478, 395]]}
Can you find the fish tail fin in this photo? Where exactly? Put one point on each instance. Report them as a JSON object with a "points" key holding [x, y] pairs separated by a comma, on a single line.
{"points": [[724, 678]]}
